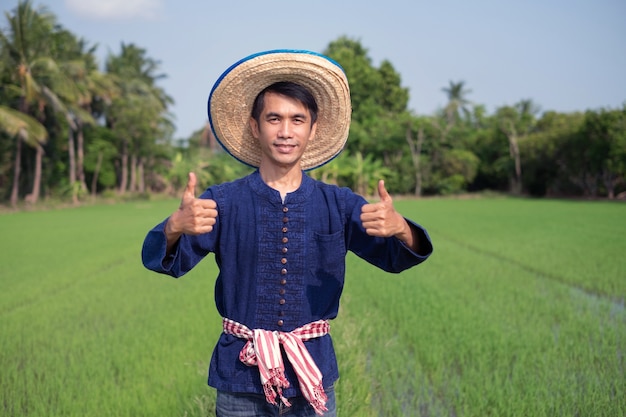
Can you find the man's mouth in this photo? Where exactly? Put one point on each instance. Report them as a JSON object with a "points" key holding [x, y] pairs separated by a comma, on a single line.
{"points": [[283, 147]]}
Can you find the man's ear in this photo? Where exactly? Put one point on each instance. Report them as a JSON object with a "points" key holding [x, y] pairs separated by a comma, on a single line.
{"points": [[254, 127], [313, 131]]}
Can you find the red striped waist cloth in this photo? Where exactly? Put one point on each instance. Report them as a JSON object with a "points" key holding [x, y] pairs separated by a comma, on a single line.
{"points": [[263, 350]]}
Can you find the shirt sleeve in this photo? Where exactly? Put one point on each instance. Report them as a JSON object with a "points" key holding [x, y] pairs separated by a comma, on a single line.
{"points": [[186, 253]]}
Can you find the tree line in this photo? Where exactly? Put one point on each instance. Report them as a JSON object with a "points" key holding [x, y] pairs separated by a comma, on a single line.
{"points": [[71, 128]]}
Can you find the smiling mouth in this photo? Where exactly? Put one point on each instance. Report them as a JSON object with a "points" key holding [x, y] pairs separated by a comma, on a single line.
{"points": [[285, 147]]}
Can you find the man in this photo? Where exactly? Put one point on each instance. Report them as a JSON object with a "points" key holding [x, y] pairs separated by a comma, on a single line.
{"points": [[280, 238]]}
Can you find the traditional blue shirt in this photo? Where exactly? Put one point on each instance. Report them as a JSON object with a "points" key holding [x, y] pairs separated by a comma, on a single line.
{"points": [[281, 265]]}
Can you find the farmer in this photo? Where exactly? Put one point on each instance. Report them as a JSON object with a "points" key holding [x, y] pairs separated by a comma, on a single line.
{"points": [[279, 237]]}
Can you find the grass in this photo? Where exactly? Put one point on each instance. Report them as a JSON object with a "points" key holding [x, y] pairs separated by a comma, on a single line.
{"points": [[519, 312]]}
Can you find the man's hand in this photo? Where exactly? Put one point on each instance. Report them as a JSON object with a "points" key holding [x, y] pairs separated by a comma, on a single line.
{"points": [[381, 219], [194, 216]]}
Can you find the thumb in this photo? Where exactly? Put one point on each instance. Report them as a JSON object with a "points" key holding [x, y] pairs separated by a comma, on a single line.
{"points": [[190, 190], [382, 191]]}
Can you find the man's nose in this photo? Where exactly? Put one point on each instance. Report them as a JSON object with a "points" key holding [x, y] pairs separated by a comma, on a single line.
{"points": [[285, 130]]}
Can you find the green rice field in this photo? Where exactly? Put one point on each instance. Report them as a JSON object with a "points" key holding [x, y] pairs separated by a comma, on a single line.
{"points": [[519, 312]]}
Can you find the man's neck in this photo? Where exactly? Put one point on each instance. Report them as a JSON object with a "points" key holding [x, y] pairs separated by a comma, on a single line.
{"points": [[282, 180]]}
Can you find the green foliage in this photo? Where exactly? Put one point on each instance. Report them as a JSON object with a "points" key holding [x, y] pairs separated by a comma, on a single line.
{"points": [[544, 153], [101, 154], [461, 163], [604, 133], [491, 148], [210, 168], [378, 99], [19, 125], [456, 169]]}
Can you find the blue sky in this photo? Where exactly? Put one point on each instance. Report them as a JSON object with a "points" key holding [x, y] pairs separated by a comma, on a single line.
{"points": [[564, 55]]}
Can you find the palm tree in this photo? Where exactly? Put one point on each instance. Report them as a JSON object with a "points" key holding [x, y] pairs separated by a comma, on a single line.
{"points": [[26, 129], [516, 123], [139, 114], [457, 100], [94, 86], [34, 73], [87, 85], [416, 144]]}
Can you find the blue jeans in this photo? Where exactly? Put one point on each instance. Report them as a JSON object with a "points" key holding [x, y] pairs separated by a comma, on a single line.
{"points": [[252, 405]]}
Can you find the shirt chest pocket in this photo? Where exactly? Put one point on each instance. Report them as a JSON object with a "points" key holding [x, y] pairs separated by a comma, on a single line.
{"points": [[326, 256]]}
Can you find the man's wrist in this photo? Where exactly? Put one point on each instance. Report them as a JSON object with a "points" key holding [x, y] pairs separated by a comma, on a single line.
{"points": [[170, 230], [170, 236], [170, 226], [407, 236]]}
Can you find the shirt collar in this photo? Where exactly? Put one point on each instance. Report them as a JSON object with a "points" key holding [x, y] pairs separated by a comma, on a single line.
{"points": [[272, 195]]}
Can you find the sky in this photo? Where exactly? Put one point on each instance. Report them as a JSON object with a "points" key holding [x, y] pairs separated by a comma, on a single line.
{"points": [[565, 55]]}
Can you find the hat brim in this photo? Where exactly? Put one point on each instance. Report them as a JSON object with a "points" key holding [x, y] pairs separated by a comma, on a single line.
{"points": [[232, 96]]}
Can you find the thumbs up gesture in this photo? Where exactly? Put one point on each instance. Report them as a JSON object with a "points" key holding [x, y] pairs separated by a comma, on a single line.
{"points": [[194, 216], [381, 218]]}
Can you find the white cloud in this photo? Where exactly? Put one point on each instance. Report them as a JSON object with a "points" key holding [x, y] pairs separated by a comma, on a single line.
{"points": [[116, 9]]}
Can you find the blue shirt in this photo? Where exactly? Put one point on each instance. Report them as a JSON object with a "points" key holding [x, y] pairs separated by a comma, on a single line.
{"points": [[282, 265]]}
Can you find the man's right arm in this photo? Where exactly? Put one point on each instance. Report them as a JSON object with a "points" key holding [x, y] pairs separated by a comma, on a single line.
{"points": [[195, 216]]}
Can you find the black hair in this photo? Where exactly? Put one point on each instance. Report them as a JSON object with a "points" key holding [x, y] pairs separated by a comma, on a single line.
{"points": [[288, 89]]}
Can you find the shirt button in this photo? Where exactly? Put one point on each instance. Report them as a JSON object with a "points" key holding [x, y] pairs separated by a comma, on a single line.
{"points": [[281, 291], [283, 281], [285, 209], [280, 322], [282, 301], [285, 240], [284, 230], [283, 272], [285, 219], [283, 261], [284, 250]]}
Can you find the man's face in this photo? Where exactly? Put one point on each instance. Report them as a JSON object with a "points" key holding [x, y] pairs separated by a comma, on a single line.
{"points": [[283, 131]]}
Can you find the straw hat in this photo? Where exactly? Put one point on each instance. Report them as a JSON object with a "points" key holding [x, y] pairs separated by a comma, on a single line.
{"points": [[232, 97]]}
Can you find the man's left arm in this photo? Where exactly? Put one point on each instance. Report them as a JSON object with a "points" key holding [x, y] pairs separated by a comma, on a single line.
{"points": [[381, 219]]}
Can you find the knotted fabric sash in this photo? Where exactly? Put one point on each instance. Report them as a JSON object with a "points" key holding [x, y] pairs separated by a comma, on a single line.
{"points": [[263, 350]]}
